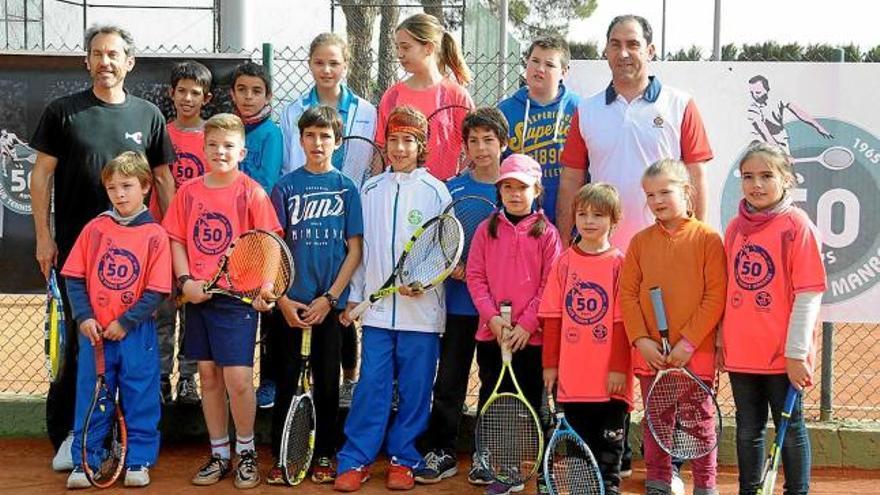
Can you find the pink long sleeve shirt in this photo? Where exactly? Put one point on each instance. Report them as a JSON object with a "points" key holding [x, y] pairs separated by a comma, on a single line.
{"points": [[514, 267]]}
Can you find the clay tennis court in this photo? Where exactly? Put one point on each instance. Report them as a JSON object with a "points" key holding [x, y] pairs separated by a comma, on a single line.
{"points": [[177, 463]]}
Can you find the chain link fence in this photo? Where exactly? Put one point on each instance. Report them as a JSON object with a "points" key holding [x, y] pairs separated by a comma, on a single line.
{"points": [[856, 369]]}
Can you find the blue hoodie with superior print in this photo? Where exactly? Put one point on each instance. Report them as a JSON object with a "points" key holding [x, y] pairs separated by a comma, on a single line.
{"points": [[539, 131]]}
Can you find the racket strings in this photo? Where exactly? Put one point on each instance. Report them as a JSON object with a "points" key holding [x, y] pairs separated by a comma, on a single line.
{"points": [[838, 157], [432, 253], [509, 440], [105, 457], [299, 438], [471, 213], [681, 416], [571, 468], [258, 259], [445, 138]]}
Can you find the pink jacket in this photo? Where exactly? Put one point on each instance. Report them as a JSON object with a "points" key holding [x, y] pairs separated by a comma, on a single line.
{"points": [[512, 267]]}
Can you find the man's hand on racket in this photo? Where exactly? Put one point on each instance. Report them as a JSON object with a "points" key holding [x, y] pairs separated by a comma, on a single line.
{"points": [[290, 310], [799, 373], [316, 311], [550, 376], [681, 354], [194, 291], [47, 255], [652, 351], [114, 331], [518, 339], [616, 382], [91, 330]]}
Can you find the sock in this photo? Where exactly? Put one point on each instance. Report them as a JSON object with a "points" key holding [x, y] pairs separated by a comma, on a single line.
{"points": [[243, 444], [220, 447]]}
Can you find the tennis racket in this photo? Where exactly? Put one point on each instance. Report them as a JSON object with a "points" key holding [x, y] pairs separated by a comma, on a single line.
{"points": [[54, 338], [832, 158], [427, 259], [110, 438], [509, 439], [298, 435], [446, 156], [470, 212], [569, 465], [254, 260], [771, 465], [362, 158], [680, 409]]}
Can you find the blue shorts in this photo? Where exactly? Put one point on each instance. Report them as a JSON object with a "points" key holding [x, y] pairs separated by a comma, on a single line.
{"points": [[223, 330]]}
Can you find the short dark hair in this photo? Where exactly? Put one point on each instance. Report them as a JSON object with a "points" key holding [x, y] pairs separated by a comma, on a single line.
{"points": [[97, 29], [252, 69], [646, 26], [190, 69], [487, 118], [552, 42], [321, 116], [761, 79]]}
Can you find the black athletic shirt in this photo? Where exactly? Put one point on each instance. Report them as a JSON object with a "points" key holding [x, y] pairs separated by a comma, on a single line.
{"points": [[84, 133]]}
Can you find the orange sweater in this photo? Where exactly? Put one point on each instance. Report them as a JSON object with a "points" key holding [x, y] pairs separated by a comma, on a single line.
{"points": [[689, 266]]}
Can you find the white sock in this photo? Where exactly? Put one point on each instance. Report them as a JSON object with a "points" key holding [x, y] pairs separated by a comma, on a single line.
{"points": [[243, 444], [220, 446]]}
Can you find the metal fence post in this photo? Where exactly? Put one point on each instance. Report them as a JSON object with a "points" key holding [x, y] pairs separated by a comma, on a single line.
{"points": [[826, 408], [267, 61]]}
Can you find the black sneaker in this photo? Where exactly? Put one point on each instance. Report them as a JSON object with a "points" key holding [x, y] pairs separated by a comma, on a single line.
{"points": [[165, 389], [478, 475], [247, 474], [438, 466], [187, 392], [212, 471]]}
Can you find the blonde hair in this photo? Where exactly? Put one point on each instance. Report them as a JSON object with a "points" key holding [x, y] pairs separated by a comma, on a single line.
{"points": [[128, 164], [426, 28], [225, 122], [601, 197], [330, 39], [777, 160], [676, 173]]}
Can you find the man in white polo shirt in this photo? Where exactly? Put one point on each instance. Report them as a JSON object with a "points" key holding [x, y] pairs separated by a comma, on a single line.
{"points": [[634, 122]]}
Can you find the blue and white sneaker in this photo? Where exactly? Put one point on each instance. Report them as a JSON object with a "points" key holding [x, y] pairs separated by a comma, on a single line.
{"points": [[499, 488], [137, 476], [266, 394]]}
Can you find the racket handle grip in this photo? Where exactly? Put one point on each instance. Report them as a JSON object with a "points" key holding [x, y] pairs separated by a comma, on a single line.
{"points": [[659, 311], [360, 309], [506, 315], [306, 346]]}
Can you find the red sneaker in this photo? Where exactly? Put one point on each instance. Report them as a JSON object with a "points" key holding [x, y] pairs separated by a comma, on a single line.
{"points": [[399, 478], [351, 481]]}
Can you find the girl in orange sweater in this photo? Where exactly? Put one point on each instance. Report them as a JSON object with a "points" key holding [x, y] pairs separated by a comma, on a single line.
{"points": [[686, 258]]}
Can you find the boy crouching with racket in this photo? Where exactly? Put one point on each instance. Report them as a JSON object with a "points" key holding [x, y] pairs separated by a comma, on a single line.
{"points": [[117, 274], [685, 258], [580, 303], [204, 217], [320, 211], [400, 332]]}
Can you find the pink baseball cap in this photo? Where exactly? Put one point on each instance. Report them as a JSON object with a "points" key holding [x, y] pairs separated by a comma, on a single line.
{"points": [[522, 168]]}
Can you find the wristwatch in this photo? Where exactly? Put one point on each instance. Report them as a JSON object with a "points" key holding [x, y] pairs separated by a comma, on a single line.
{"points": [[182, 279], [333, 300]]}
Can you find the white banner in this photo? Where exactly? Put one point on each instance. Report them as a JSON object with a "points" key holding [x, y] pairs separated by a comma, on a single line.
{"points": [[829, 118]]}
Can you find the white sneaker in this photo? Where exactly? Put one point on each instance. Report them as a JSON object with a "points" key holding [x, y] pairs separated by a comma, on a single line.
{"points": [[137, 476], [63, 461], [77, 479], [676, 485]]}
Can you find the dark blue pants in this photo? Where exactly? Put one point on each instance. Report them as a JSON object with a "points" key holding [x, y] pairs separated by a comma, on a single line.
{"points": [[753, 394]]}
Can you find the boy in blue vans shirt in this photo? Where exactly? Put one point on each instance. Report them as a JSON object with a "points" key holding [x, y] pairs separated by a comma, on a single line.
{"points": [[539, 114]]}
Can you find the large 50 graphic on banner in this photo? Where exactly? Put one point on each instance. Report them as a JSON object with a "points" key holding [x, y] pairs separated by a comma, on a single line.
{"points": [[820, 113]]}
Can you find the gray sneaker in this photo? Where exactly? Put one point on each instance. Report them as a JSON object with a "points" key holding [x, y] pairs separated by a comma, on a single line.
{"points": [[438, 466], [478, 475], [77, 479], [346, 391], [63, 460], [137, 476], [212, 471], [247, 474], [187, 392]]}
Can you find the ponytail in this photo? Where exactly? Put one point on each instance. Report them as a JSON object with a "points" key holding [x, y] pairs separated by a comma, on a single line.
{"points": [[452, 59]]}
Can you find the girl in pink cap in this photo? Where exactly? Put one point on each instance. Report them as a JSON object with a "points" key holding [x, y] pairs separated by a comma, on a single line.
{"points": [[510, 259]]}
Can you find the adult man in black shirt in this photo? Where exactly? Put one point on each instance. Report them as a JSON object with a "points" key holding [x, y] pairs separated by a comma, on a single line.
{"points": [[76, 136]]}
